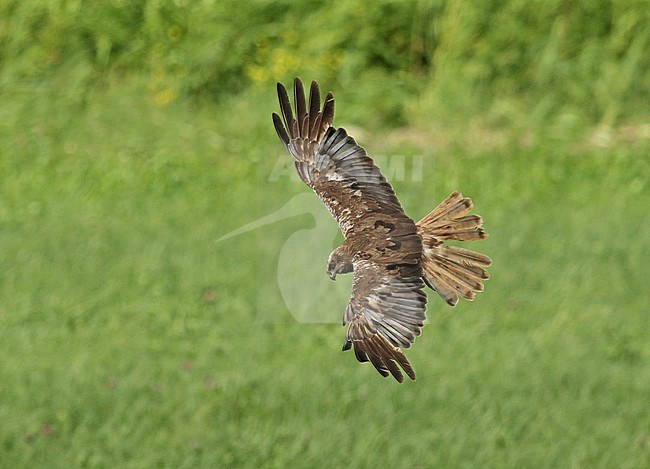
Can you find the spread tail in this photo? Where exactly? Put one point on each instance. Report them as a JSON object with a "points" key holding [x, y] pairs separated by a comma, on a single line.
{"points": [[452, 271]]}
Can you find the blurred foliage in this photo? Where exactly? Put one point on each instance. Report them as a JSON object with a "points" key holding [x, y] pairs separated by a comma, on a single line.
{"points": [[590, 58], [508, 59]]}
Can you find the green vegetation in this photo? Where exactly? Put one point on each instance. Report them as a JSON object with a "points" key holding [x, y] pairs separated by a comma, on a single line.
{"points": [[133, 135]]}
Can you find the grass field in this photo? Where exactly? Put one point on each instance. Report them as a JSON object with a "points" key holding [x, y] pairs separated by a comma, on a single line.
{"points": [[131, 337]]}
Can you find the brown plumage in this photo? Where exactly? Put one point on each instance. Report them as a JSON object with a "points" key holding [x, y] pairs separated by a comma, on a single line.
{"points": [[391, 256]]}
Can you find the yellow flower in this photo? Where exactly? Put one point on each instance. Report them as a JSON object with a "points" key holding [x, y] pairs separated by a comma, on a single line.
{"points": [[164, 97]]}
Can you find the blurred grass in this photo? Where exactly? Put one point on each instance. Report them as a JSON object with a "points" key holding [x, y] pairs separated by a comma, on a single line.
{"points": [[130, 337]]}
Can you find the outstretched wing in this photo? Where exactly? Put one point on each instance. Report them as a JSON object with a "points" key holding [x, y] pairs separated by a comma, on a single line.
{"points": [[387, 305], [330, 162], [385, 312]]}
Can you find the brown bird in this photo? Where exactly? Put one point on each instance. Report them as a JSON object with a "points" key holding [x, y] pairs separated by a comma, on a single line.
{"points": [[391, 256]]}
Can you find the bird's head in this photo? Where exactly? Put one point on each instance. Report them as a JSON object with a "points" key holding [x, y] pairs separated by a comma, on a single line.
{"points": [[337, 264]]}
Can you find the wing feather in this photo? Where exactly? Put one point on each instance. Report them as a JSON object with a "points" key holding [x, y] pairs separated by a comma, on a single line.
{"points": [[328, 112], [301, 106], [379, 320], [285, 106], [314, 99]]}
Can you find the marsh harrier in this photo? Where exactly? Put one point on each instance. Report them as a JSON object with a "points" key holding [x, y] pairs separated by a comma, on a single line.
{"points": [[391, 256]]}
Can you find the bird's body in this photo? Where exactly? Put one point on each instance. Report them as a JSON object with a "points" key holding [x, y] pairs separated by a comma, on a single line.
{"points": [[391, 256]]}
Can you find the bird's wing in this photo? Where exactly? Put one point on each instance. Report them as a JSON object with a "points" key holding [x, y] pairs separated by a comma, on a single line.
{"points": [[386, 313], [330, 162]]}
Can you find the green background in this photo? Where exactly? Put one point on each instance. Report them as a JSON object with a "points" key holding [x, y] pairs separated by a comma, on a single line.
{"points": [[133, 135]]}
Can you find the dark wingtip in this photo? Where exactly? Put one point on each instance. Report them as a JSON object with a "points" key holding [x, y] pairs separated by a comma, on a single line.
{"points": [[314, 104], [301, 106], [280, 130], [328, 110], [411, 374], [285, 107]]}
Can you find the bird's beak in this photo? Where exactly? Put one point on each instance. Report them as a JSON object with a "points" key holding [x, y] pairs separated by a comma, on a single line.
{"points": [[332, 275]]}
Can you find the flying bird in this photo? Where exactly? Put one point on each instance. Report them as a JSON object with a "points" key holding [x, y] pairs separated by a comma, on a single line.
{"points": [[391, 256]]}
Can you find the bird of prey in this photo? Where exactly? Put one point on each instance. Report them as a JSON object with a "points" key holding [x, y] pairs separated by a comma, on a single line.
{"points": [[392, 257]]}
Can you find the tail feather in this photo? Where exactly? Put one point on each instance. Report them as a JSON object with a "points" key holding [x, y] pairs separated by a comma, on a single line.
{"points": [[449, 220], [452, 271]]}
